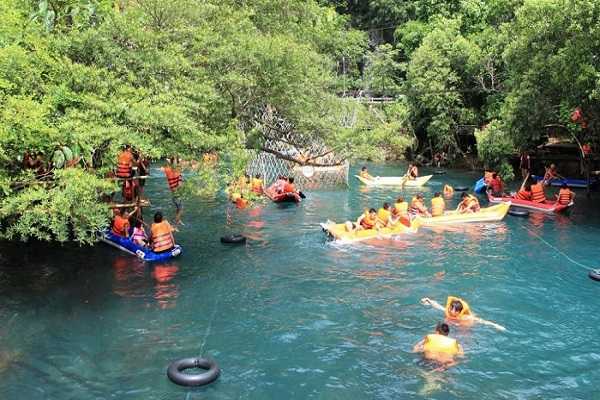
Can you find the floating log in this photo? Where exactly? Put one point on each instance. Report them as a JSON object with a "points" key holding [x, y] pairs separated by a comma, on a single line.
{"points": [[141, 203]]}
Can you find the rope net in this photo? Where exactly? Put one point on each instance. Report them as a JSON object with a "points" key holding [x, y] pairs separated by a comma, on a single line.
{"points": [[289, 153]]}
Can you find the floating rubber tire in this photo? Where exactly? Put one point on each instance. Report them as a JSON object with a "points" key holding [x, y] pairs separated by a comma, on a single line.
{"points": [[233, 239], [519, 213], [595, 274], [176, 368], [439, 172], [461, 189]]}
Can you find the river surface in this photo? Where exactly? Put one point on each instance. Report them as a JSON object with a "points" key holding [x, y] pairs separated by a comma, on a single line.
{"points": [[291, 315]]}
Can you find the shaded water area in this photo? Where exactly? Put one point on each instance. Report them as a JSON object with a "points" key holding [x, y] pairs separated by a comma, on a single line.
{"points": [[292, 315]]}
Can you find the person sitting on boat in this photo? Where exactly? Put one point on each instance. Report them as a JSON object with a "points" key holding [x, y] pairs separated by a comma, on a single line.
{"points": [[565, 196], [439, 347], [400, 212], [125, 163], [257, 184], [367, 220], [438, 205], [241, 202], [496, 185], [448, 191], [413, 172], [364, 173], [524, 193], [161, 234], [120, 224], [468, 204], [417, 206], [551, 173], [139, 236], [458, 311], [384, 216], [537, 193], [289, 186]]}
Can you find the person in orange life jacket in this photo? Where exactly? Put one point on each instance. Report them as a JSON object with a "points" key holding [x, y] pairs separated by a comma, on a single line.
{"points": [[537, 192], [174, 180], [241, 202], [438, 205], [384, 216], [412, 172], [161, 234], [468, 204], [417, 206], [289, 187], [125, 163], [551, 173], [120, 224], [565, 196], [524, 193], [458, 311], [439, 347], [139, 236], [496, 185], [367, 220]]}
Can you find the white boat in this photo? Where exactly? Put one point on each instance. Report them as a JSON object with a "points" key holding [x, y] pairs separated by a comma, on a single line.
{"points": [[395, 181]]}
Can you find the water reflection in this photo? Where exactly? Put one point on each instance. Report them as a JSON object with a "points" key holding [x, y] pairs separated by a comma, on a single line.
{"points": [[166, 290]]}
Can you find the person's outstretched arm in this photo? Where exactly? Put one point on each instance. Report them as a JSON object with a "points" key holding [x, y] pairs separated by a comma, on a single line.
{"points": [[426, 301], [489, 323]]}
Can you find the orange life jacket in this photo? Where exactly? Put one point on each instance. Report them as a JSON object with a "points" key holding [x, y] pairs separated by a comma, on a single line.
{"points": [[174, 178], [289, 188], [524, 195], [120, 226], [124, 162], [367, 222], [564, 196], [162, 236], [537, 193], [241, 202]]}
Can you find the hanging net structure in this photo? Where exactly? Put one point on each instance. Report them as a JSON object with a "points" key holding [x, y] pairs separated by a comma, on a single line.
{"points": [[289, 153]]}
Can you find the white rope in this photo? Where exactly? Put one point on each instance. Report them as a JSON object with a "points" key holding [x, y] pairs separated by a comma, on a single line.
{"points": [[556, 249]]}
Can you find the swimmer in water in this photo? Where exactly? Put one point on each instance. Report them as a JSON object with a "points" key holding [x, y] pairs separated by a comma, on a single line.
{"points": [[439, 347], [458, 311]]}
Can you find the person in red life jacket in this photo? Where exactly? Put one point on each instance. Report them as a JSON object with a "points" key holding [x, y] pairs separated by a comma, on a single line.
{"points": [[525, 164], [565, 196], [125, 163], [161, 234], [120, 224], [496, 185], [289, 186], [174, 180], [130, 189], [537, 193], [139, 236], [524, 193], [550, 174]]}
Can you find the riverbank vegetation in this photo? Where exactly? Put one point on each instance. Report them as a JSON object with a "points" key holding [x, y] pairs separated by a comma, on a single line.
{"points": [[81, 78]]}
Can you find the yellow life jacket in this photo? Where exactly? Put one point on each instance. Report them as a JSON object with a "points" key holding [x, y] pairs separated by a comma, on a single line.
{"points": [[365, 175], [401, 208], [383, 215], [436, 343], [466, 311], [437, 206]]}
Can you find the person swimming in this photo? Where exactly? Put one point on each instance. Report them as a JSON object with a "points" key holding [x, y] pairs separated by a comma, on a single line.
{"points": [[458, 311], [439, 347], [364, 173]]}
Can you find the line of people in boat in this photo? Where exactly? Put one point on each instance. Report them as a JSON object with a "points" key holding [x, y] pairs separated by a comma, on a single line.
{"points": [[535, 192], [403, 212], [127, 224]]}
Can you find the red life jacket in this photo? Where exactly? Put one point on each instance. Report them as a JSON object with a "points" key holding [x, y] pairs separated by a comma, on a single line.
{"points": [[564, 196], [496, 185], [124, 164], [537, 193], [174, 178]]}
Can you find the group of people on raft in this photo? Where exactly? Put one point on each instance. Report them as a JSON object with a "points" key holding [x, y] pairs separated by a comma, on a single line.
{"points": [[130, 224], [439, 346]]}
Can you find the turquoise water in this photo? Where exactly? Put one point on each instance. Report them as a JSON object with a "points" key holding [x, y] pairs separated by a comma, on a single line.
{"points": [[292, 315]]}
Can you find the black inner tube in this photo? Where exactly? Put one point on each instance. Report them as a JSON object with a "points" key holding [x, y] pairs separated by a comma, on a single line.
{"points": [[595, 274], [518, 213], [461, 188], [233, 239], [176, 368]]}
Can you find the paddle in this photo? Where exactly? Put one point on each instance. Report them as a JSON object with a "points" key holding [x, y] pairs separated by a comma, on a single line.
{"points": [[524, 180]]}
